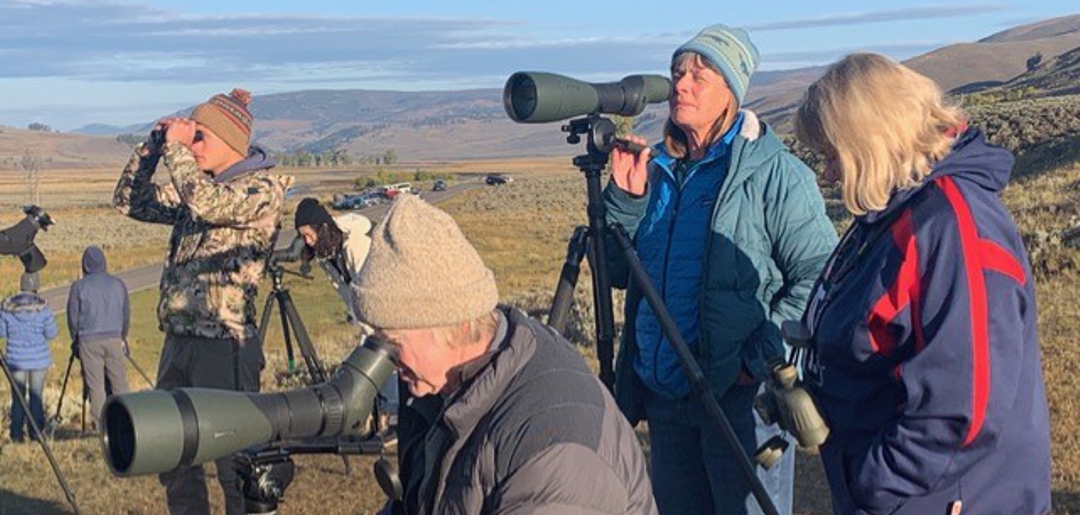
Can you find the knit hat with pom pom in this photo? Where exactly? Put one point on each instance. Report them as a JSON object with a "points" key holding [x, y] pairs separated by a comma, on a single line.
{"points": [[227, 116]]}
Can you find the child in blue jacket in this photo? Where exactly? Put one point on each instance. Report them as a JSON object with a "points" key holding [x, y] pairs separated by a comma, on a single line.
{"points": [[27, 323]]}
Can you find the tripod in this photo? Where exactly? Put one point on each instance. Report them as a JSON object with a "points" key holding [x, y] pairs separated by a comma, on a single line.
{"points": [[290, 324], [591, 242], [39, 436]]}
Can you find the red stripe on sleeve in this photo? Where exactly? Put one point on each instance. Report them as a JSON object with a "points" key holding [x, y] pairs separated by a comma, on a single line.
{"points": [[973, 268], [903, 291], [999, 260]]}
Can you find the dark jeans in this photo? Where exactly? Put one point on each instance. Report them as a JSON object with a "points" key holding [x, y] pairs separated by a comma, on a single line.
{"points": [[206, 363], [36, 380], [693, 469]]}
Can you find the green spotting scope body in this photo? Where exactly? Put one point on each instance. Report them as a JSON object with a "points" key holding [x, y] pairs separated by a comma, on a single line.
{"points": [[540, 97], [157, 431]]}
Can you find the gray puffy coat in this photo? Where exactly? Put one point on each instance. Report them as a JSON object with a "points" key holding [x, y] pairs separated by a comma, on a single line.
{"points": [[533, 431]]}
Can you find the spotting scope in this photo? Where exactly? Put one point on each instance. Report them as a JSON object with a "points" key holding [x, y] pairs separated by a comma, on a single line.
{"points": [[158, 431], [540, 97]]}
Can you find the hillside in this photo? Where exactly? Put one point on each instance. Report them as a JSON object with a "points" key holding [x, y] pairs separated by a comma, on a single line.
{"points": [[962, 67], [472, 124], [1058, 76], [1000, 57], [53, 150]]}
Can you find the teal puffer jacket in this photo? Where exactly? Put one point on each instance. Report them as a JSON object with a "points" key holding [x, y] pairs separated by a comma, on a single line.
{"points": [[767, 243]]}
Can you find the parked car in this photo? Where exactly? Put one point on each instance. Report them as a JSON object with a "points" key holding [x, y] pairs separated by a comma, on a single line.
{"points": [[498, 178], [371, 198], [439, 185]]}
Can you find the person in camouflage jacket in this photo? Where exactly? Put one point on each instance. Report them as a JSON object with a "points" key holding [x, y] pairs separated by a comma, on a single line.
{"points": [[225, 210]]}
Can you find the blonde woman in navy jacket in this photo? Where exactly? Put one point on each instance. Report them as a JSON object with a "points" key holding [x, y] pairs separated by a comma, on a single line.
{"points": [[927, 360]]}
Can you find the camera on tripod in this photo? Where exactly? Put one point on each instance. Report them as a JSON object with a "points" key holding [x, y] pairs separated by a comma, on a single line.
{"points": [[18, 240], [787, 404]]}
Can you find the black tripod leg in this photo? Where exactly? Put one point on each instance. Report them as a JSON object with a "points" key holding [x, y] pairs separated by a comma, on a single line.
{"points": [[605, 318], [140, 371], [264, 321], [286, 334], [40, 437], [85, 394], [307, 350], [692, 369], [564, 292], [63, 387]]}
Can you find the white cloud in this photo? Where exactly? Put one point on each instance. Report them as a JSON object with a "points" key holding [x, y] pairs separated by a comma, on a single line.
{"points": [[882, 16]]}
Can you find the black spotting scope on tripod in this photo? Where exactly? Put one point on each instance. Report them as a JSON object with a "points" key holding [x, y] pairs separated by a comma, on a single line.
{"points": [[532, 97], [292, 326]]}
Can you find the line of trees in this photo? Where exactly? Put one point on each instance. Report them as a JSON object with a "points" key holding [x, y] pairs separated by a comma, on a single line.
{"points": [[333, 158]]}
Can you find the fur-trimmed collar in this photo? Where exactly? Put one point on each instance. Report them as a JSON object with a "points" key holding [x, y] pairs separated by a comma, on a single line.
{"points": [[23, 302], [751, 125]]}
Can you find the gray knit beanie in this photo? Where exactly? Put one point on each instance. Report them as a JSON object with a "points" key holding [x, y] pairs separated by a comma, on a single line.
{"points": [[421, 271], [30, 282]]}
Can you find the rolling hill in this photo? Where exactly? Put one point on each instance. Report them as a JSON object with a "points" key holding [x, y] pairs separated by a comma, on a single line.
{"points": [[472, 123]]}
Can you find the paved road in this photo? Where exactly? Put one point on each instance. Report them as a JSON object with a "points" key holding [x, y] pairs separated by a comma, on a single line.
{"points": [[148, 276]]}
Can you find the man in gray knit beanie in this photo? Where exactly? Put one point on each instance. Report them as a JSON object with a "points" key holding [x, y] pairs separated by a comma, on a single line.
{"points": [[505, 400]]}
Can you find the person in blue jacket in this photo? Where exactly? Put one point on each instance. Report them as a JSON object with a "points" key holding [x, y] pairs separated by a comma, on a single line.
{"points": [[926, 360], [732, 230], [28, 324]]}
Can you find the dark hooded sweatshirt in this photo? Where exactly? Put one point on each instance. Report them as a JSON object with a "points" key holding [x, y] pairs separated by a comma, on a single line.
{"points": [[927, 361], [98, 307]]}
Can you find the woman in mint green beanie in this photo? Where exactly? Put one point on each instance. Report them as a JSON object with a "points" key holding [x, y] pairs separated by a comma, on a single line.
{"points": [[732, 230]]}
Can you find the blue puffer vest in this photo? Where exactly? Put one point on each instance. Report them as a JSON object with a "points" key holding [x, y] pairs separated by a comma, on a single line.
{"points": [[671, 244]]}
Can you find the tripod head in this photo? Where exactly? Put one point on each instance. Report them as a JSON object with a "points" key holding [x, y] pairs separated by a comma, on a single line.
{"points": [[266, 472], [277, 273]]}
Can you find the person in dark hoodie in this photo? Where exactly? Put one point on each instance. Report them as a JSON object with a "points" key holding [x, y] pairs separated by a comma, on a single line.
{"points": [[225, 207], [27, 323], [925, 359], [98, 318]]}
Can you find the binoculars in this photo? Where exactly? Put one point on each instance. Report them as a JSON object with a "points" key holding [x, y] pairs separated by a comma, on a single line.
{"points": [[786, 403]]}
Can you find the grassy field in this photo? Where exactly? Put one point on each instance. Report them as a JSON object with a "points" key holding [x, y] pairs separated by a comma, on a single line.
{"points": [[521, 230]]}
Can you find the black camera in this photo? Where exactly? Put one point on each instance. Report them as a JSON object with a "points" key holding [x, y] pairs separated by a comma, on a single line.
{"points": [[18, 240], [157, 138]]}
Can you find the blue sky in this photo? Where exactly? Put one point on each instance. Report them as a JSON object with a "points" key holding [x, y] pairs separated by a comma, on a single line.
{"points": [[68, 63]]}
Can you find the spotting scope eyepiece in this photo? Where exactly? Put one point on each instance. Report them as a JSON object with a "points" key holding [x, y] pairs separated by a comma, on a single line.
{"points": [[158, 431], [539, 97]]}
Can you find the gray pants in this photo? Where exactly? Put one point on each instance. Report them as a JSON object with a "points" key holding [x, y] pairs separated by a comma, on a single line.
{"points": [[206, 363], [101, 359]]}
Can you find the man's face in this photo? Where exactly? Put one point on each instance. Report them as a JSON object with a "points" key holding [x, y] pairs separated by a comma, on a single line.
{"points": [[423, 361], [211, 153], [309, 234]]}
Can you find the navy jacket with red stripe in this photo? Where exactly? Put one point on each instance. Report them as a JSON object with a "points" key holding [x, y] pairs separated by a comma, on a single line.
{"points": [[926, 361]]}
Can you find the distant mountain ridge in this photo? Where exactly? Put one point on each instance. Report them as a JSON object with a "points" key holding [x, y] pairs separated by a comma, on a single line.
{"points": [[437, 125]]}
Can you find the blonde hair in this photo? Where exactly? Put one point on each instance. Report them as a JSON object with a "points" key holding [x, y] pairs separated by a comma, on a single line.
{"points": [[675, 140], [882, 123]]}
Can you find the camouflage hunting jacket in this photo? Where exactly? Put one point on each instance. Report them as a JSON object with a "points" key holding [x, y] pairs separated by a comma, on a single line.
{"points": [[223, 231]]}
